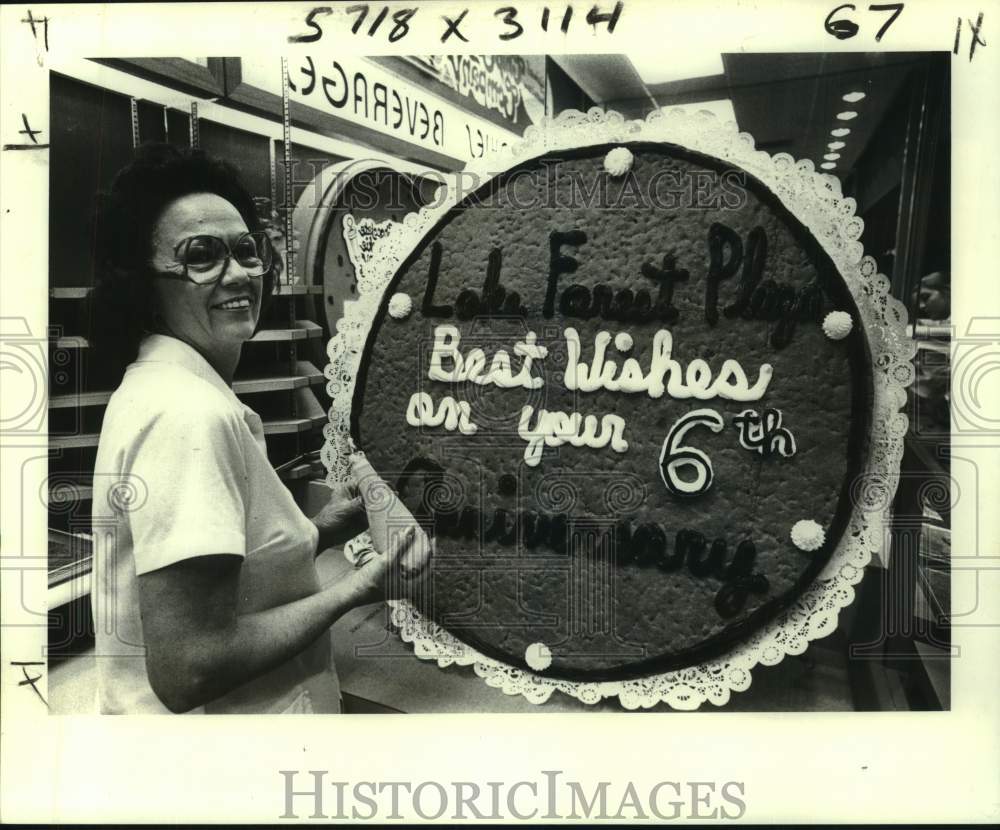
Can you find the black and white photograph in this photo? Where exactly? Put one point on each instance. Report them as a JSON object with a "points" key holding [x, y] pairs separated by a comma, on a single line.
{"points": [[491, 365]]}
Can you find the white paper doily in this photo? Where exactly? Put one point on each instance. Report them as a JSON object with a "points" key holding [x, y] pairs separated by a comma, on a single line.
{"points": [[815, 199]]}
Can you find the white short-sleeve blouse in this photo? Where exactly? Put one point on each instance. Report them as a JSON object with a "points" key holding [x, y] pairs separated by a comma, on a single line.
{"points": [[182, 471]]}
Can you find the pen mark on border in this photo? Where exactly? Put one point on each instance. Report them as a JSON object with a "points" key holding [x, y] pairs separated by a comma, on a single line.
{"points": [[28, 679], [30, 133], [31, 20]]}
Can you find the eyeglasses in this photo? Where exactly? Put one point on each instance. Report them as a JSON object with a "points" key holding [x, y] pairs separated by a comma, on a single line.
{"points": [[206, 258]]}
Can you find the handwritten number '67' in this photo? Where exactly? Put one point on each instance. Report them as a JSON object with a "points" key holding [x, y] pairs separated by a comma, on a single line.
{"points": [[842, 28]]}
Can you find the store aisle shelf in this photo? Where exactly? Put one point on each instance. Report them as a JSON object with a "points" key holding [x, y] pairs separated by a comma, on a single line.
{"points": [[300, 330], [306, 375], [284, 290], [272, 426], [299, 471], [75, 292], [306, 369], [78, 399], [283, 426], [86, 439], [70, 343], [80, 492], [269, 383], [70, 563]]}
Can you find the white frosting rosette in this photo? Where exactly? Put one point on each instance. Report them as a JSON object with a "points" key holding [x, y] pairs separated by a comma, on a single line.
{"points": [[837, 325], [538, 656], [618, 161], [400, 306], [808, 535]]}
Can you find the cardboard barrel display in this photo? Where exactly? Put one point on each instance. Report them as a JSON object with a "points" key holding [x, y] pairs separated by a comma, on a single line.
{"points": [[630, 393]]}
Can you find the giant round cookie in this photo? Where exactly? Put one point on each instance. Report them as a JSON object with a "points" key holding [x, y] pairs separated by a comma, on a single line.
{"points": [[731, 410]]}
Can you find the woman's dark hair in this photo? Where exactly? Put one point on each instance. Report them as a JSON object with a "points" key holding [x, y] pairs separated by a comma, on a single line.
{"points": [[124, 305]]}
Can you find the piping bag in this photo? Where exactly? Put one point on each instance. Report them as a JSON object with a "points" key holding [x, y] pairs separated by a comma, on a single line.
{"points": [[390, 524]]}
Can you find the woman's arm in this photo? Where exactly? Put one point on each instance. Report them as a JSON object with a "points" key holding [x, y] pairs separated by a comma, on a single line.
{"points": [[198, 647]]}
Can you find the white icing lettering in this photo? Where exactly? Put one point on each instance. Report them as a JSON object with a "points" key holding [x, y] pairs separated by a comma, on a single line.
{"points": [[764, 432], [450, 413], [694, 382], [471, 367], [674, 456], [553, 429]]}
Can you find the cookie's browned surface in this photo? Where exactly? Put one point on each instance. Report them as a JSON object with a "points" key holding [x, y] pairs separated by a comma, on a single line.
{"points": [[601, 614]]}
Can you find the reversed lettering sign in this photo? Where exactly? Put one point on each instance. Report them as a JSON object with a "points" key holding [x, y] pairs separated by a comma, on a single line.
{"points": [[371, 96]]}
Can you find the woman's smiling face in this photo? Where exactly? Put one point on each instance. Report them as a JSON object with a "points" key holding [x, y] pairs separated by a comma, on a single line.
{"points": [[213, 318]]}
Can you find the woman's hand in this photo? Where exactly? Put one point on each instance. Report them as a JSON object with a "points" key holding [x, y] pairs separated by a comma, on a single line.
{"points": [[404, 551], [342, 518], [398, 573]]}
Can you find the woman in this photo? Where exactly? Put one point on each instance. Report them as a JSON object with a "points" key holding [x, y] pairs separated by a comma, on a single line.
{"points": [[206, 596]]}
